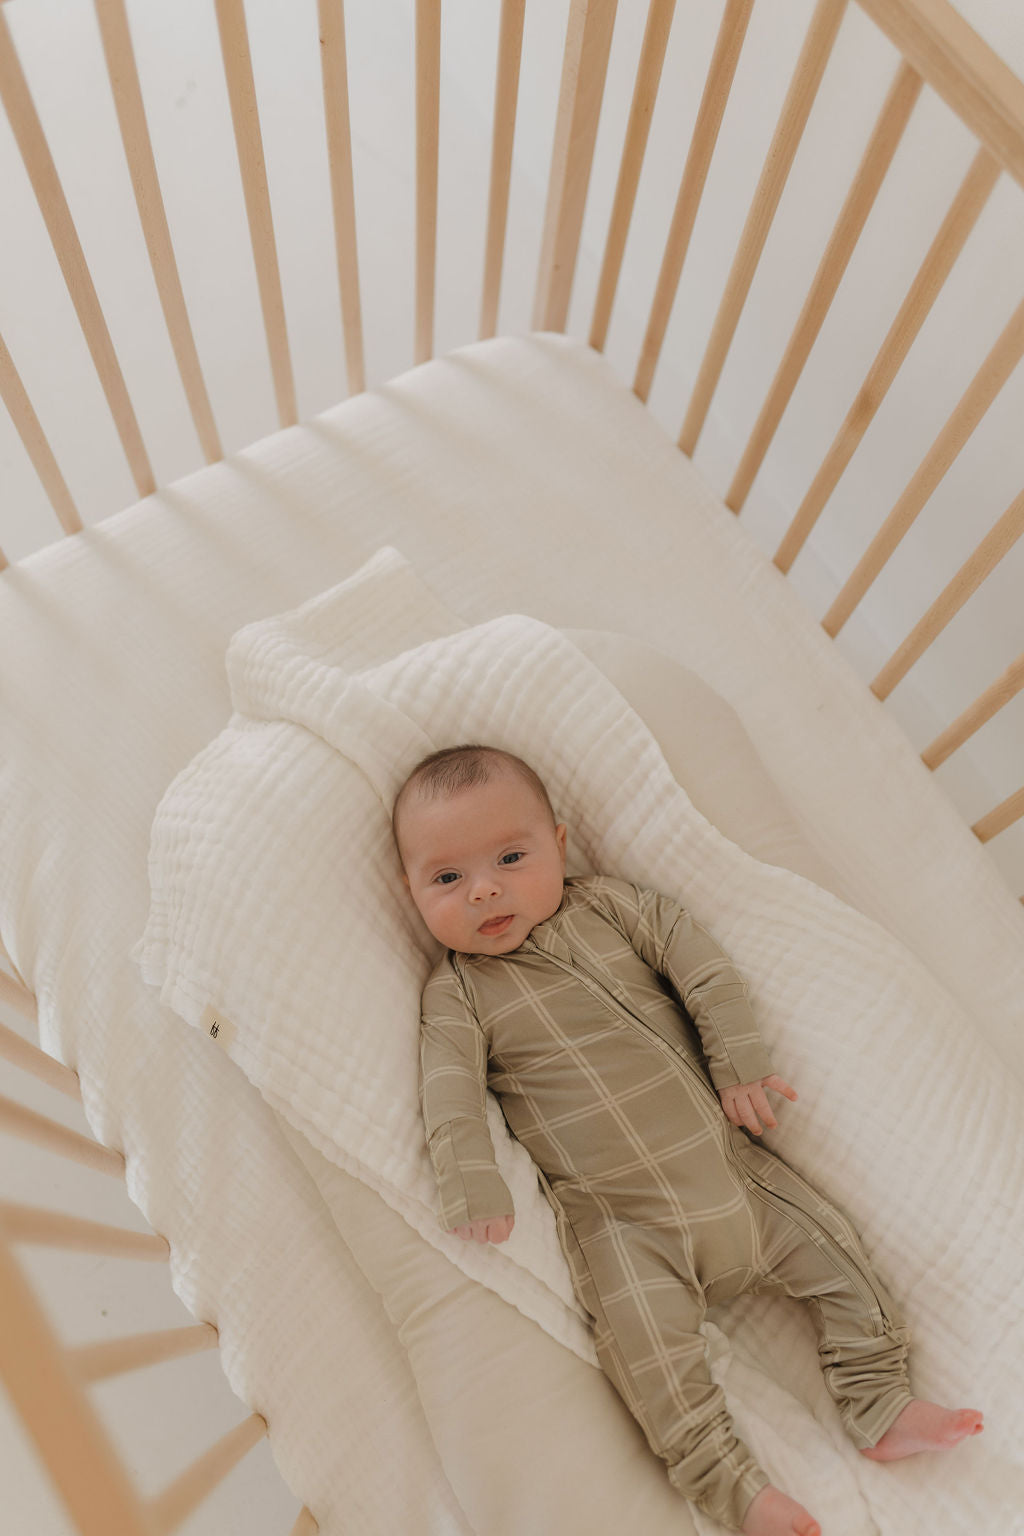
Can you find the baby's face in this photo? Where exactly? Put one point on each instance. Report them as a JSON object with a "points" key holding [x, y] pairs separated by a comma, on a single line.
{"points": [[483, 866]]}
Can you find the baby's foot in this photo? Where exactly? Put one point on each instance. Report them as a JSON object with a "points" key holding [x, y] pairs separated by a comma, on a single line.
{"points": [[925, 1427], [771, 1513]]}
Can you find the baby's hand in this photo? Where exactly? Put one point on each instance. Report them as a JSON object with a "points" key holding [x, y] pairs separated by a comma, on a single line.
{"points": [[495, 1229], [743, 1102]]}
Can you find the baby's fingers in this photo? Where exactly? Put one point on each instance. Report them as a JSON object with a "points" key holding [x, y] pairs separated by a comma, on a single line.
{"points": [[744, 1106], [776, 1083]]}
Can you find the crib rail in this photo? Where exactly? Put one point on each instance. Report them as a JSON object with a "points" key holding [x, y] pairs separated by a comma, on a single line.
{"points": [[47, 1381], [935, 52]]}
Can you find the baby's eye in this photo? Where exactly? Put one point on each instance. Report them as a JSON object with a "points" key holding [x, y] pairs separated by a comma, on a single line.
{"points": [[506, 857], [448, 876]]}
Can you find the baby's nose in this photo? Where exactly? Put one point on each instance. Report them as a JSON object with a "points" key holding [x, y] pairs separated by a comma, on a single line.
{"points": [[482, 887]]}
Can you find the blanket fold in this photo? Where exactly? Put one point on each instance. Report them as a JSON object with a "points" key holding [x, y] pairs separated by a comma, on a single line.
{"points": [[277, 907]]}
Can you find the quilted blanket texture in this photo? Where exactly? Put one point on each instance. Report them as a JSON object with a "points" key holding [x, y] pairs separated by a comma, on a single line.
{"points": [[280, 926]]}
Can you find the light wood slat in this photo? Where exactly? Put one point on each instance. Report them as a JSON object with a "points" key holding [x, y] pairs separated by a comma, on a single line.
{"points": [[588, 42], [42, 1132], [53, 1229], [428, 103], [22, 1053], [987, 704], [187, 1492], [963, 214], [983, 389], [997, 542], [717, 87], [35, 152], [1004, 815], [645, 94], [114, 1357], [334, 68], [18, 997], [19, 406], [867, 183], [305, 1525], [57, 1414], [506, 95], [131, 117], [234, 44], [814, 56], [962, 69]]}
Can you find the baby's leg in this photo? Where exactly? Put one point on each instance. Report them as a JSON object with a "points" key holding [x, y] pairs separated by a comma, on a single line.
{"points": [[812, 1250], [646, 1322]]}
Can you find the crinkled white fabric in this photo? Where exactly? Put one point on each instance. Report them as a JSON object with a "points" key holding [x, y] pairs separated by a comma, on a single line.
{"points": [[277, 899]]}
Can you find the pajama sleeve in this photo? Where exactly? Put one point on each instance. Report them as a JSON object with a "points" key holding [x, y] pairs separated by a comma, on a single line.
{"points": [[453, 1099], [702, 976]]}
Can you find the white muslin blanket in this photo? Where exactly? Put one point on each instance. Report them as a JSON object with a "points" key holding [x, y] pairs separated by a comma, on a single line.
{"points": [[279, 924]]}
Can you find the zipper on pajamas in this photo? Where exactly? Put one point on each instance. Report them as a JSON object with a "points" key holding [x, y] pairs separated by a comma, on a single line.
{"points": [[814, 1230], [765, 1193], [676, 1057]]}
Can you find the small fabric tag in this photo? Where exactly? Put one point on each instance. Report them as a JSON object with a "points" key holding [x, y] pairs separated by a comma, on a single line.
{"points": [[217, 1026]]}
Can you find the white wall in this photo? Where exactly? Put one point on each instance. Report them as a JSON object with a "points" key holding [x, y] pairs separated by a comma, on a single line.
{"points": [[178, 55]]}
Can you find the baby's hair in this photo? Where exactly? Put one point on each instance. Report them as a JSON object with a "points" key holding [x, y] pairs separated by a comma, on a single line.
{"points": [[452, 769]]}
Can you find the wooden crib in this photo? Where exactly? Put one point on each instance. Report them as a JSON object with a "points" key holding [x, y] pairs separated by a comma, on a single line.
{"points": [[933, 52]]}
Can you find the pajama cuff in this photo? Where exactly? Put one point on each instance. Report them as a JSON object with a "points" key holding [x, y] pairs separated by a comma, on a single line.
{"points": [[468, 1181]]}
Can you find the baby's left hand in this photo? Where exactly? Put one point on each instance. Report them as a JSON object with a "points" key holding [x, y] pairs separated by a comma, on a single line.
{"points": [[743, 1102]]}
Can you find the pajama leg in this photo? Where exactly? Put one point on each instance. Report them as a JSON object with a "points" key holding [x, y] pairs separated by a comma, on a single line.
{"points": [[646, 1321], [811, 1251]]}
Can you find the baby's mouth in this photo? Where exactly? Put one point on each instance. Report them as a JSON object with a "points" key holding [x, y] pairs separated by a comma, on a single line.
{"points": [[495, 925]]}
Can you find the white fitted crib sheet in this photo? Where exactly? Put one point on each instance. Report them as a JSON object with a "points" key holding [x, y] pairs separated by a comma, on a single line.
{"points": [[518, 476]]}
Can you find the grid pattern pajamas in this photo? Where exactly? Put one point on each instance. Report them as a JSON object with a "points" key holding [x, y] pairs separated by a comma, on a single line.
{"points": [[606, 1036]]}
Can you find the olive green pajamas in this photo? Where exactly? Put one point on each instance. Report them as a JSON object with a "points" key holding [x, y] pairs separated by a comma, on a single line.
{"points": [[606, 1036]]}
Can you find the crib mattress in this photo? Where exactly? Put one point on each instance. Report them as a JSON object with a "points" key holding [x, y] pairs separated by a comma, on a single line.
{"points": [[517, 475]]}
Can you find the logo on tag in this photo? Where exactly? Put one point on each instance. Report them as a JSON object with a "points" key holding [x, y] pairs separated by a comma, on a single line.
{"points": [[217, 1026]]}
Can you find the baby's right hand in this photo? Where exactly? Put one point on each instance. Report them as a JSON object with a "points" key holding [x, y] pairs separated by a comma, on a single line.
{"points": [[495, 1229]]}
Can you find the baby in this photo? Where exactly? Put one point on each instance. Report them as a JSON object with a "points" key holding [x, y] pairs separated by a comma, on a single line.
{"points": [[622, 1047]]}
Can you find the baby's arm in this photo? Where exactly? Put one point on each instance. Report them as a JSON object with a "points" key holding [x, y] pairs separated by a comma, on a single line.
{"points": [[703, 978], [453, 1098]]}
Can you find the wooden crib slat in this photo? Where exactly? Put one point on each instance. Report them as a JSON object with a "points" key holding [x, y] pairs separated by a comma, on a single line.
{"points": [[717, 87], [22, 1053], [878, 157], [187, 1492], [19, 406], [234, 43], [42, 1132], [588, 42], [645, 94], [982, 90], [58, 1415], [334, 68], [1004, 815], [506, 95], [428, 102], [796, 108], [987, 704], [963, 214], [979, 395], [997, 542], [97, 1362], [35, 153], [54, 1229], [131, 116]]}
